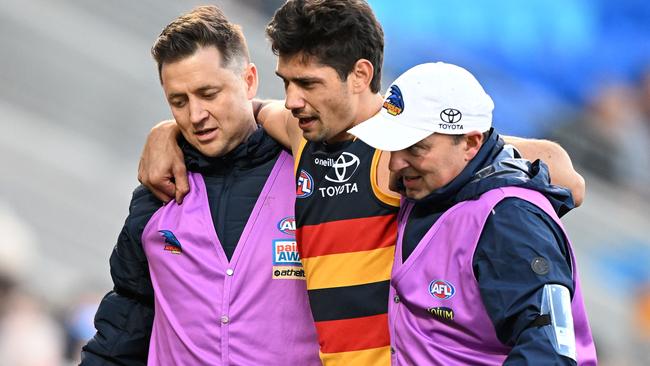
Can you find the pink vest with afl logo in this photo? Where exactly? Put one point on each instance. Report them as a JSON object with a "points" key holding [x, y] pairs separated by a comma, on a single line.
{"points": [[436, 313], [252, 310]]}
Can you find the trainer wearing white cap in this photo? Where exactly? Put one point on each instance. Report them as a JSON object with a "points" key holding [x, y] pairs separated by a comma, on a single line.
{"points": [[484, 273], [440, 98]]}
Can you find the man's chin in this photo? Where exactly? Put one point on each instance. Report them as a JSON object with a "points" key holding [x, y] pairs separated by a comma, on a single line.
{"points": [[414, 194], [313, 136], [211, 152]]}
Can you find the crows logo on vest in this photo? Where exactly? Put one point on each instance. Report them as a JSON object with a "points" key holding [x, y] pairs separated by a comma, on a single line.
{"points": [[305, 185], [286, 260], [394, 104], [441, 289], [171, 243]]}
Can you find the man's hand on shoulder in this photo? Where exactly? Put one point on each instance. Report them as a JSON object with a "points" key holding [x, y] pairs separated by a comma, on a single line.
{"points": [[278, 122], [558, 162], [162, 168]]}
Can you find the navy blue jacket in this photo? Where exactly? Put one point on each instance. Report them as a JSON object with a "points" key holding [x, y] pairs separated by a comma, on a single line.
{"points": [[511, 291], [125, 315]]}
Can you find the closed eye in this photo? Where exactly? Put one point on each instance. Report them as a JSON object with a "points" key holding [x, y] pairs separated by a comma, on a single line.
{"points": [[178, 103], [209, 96], [208, 92], [415, 150], [306, 84]]}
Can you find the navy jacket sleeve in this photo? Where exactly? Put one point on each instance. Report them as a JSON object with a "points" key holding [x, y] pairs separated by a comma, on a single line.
{"points": [[515, 234], [125, 315]]}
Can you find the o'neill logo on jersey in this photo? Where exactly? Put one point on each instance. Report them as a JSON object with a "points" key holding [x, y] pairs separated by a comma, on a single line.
{"points": [[441, 289], [305, 185]]}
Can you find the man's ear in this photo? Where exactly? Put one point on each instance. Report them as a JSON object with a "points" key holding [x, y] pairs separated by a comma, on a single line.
{"points": [[473, 143], [361, 75], [251, 80]]}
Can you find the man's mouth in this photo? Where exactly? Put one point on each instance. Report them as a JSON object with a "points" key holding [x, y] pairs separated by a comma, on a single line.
{"points": [[305, 122], [410, 180], [205, 134]]}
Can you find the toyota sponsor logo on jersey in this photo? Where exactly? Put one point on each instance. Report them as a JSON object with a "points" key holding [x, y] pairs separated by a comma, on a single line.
{"points": [[305, 185], [344, 168], [441, 289], [340, 172], [288, 225]]}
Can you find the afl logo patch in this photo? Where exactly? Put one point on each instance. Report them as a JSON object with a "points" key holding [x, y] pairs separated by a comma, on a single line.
{"points": [[441, 289], [451, 115], [305, 185], [394, 104], [288, 225]]}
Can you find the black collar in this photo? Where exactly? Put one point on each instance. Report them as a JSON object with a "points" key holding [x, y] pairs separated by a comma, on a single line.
{"points": [[258, 148]]}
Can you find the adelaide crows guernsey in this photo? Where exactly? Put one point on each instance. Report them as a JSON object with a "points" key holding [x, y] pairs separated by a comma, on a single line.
{"points": [[346, 233]]}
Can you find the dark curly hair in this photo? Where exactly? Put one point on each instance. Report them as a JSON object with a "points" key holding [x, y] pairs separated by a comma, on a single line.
{"points": [[336, 32]]}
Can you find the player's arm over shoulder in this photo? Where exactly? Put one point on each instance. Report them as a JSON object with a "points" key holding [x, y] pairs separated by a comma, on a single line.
{"points": [[280, 124], [558, 162]]}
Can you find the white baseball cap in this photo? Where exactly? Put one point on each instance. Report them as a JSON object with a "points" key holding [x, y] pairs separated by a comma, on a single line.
{"points": [[428, 98]]}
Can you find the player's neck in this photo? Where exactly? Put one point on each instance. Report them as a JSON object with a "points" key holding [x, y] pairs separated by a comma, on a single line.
{"points": [[370, 104]]}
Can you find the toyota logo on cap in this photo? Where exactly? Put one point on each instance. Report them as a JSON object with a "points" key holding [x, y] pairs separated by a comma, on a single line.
{"points": [[450, 115]]}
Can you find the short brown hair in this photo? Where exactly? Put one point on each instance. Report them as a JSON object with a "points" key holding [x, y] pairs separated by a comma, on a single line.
{"points": [[202, 27], [336, 32]]}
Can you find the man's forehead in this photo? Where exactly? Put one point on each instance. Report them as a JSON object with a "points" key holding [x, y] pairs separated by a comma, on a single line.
{"points": [[300, 65], [202, 67]]}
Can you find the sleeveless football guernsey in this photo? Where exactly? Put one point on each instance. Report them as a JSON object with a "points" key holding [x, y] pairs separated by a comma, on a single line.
{"points": [[346, 232]]}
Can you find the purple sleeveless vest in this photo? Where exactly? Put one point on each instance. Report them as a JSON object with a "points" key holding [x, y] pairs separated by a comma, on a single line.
{"points": [[252, 310], [436, 313]]}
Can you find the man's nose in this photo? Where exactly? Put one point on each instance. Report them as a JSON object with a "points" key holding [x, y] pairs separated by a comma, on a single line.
{"points": [[198, 113], [397, 161], [294, 98]]}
